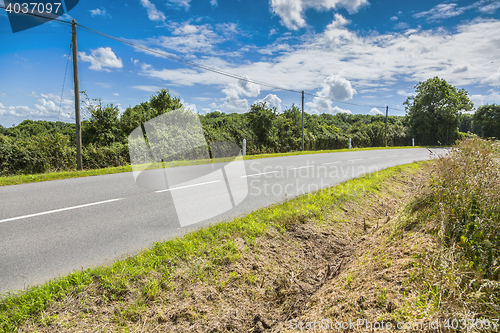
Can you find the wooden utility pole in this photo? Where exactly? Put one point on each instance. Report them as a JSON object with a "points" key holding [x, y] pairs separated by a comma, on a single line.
{"points": [[77, 100], [386, 114], [302, 120]]}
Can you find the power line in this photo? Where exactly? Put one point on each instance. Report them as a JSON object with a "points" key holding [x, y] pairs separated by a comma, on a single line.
{"points": [[64, 80], [206, 68]]}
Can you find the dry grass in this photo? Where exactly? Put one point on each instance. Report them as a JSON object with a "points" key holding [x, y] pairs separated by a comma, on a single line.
{"points": [[340, 265]]}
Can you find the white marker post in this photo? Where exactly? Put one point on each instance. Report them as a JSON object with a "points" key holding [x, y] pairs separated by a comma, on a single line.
{"points": [[244, 147], [413, 142], [349, 143]]}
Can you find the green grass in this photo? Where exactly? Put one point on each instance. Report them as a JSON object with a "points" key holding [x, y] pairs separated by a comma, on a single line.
{"points": [[34, 178], [203, 251]]}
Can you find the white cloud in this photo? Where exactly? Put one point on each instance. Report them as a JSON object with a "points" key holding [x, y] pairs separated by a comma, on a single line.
{"points": [[374, 62], [333, 86], [492, 98], [233, 91], [98, 12], [180, 3], [100, 58], [190, 38], [441, 11], [322, 105], [153, 13], [151, 89], [375, 112], [272, 101], [291, 11], [116, 94], [337, 87], [403, 93], [490, 8], [49, 106], [448, 10], [214, 3], [401, 26], [394, 18]]}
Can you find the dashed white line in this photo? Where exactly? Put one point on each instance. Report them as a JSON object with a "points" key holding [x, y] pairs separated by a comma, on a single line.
{"points": [[58, 210], [358, 159], [371, 158], [181, 187], [332, 163]]}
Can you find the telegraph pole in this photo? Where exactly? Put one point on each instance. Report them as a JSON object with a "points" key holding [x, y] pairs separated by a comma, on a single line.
{"points": [[302, 120], [386, 114], [77, 99]]}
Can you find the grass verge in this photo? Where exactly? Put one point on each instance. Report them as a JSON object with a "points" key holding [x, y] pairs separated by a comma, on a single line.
{"points": [[261, 270], [23, 179]]}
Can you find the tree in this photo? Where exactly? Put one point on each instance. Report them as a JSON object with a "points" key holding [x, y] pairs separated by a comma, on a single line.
{"points": [[488, 117], [262, 122], [103, 126], [157, 105], [433, 113]]}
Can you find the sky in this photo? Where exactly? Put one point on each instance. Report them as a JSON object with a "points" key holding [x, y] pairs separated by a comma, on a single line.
{"points": [[355, 56]]}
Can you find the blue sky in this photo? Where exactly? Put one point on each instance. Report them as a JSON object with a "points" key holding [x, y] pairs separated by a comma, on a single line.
{"points": [[364, 52]]}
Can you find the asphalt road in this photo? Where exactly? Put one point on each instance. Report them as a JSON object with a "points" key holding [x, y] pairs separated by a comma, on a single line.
{"points": [[52, 228]]}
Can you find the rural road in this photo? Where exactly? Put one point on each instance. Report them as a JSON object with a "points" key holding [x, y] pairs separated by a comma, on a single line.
{"points": [[52, 228]]}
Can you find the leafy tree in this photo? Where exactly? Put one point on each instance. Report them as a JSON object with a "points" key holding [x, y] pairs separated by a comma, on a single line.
{"points": [[103, 126], [433, 113], [157, 105], [262, 122], [488, 117]]}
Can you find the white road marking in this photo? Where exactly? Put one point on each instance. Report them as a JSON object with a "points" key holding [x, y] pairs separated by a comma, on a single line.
{"points": [[57, 210], [358, 159], [332, 163], [258, 174], [302, 167], [371, 158], [181, 187], [391, 155]]}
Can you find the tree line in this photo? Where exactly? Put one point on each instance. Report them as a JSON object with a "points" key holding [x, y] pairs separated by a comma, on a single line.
{"points": [[435, 115]]}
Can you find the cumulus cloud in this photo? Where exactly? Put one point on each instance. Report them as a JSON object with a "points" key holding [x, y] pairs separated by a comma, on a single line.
{"points": [[394, 18], [375, 112], [334, 87], [48, 106], [376, 62], [322, 105], [233, 103], [101, 58], [153, 13], [337, 87], [214, 3], [272, 101], [291, 11]]}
